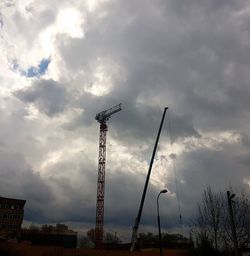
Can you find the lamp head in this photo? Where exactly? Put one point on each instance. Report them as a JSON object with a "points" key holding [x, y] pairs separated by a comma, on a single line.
{"points": [[232, 196], [229, 195], [164, 191]]}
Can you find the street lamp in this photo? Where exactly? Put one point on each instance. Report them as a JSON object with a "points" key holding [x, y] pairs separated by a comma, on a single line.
{"points": [[158, 218], [233, 228], [115, 241]]}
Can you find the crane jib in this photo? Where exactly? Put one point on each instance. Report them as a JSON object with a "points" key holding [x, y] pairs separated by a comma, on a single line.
{"points": [[103, 116]]}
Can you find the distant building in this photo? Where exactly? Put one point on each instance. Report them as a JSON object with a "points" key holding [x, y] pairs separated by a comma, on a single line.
{"points": [[11, 217], [58, 235]]}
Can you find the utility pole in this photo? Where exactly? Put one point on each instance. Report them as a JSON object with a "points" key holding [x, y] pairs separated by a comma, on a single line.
{"points": [[102, 118], [138, 218], [233, 228]]}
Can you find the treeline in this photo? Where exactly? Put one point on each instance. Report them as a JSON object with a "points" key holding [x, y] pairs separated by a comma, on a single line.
{"points": [[170, 241], [89, 239]]}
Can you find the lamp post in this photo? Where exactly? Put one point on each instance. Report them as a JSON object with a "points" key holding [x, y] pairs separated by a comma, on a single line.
{"points": [[158, 218], [115, 242], [233, 228]]}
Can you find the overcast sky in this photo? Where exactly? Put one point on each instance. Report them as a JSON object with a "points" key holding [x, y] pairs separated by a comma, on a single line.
{"points": [[61, 62]]}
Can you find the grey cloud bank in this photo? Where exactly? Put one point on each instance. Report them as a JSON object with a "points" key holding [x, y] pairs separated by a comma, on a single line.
{"points": [[47, 95]]}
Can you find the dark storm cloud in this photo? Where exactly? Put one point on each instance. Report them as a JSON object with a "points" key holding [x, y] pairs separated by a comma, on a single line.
{"points": [[122, 199], [18, 180], [44, 204], [74, 201], [78, 204], [47, 95], [219, 168], [214, 60]]}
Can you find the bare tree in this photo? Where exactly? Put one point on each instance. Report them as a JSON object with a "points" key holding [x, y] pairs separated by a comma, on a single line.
{"points": [[242, 219], [212, 204], [200, 225], [211, 224], [208, 219]]}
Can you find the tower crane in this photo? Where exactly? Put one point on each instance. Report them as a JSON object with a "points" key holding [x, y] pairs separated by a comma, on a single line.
{"points": [[102, 118]]}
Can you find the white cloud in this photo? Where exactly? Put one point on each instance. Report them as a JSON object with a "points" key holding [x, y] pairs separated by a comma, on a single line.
{"points": [[104, 76]]}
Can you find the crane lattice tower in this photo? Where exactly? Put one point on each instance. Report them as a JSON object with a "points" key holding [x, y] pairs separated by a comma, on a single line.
{"points": [[102, 118]]}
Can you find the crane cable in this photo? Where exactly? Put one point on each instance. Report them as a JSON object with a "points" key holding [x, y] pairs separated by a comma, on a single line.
{"points": [[174, 169]]}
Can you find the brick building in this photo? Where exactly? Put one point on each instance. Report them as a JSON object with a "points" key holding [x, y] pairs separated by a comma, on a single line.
{"points": [[11, 217]]}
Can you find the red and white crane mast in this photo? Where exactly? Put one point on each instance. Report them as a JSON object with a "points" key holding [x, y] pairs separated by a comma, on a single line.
{"points": [[102, 118]]}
